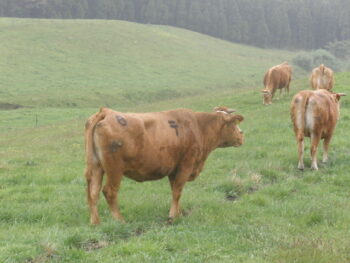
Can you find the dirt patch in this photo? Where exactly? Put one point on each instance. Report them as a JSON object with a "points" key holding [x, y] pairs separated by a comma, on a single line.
{"points": [[9, 106], [45, 257], [252, 189], [93, 244], [139, 231], [231, 197]]}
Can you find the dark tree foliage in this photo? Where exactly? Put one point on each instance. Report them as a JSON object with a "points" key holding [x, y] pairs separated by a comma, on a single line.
{"points": [[307, 24]]}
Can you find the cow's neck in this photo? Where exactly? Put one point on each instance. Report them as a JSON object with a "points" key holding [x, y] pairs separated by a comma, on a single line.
{"points": [[210, 127]]}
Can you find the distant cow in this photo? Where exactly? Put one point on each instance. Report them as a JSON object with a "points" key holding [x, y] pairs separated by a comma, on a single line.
{"points": [[322, 78], [277, 77], [314, 114], [150, 146]]}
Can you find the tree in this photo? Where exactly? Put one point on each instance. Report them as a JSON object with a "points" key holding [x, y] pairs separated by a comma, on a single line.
{"points": [[151, 12], [129, 11], [181, 13], [278, 24], [234, 21]]}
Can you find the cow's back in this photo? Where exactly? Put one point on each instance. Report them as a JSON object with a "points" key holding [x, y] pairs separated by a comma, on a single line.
{"points": [[278, 77]]}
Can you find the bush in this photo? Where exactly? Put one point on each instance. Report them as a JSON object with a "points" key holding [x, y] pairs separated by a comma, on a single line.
{"points": [[303, 60], [340, 49], [310, 60]]}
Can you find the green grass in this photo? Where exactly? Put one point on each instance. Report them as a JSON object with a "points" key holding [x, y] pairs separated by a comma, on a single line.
{"points": [[82, 63], [250, 204]]}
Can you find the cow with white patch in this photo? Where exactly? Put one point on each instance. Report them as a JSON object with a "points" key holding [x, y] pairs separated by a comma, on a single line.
{"points": [[322, 78], [314, 114], [150, 146]]}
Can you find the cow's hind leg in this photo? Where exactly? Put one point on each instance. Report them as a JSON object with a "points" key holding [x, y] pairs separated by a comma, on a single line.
{"points": [[287, 88], [325, 148], [93, 177], [315, 140], [300, 141], [110, 191]]}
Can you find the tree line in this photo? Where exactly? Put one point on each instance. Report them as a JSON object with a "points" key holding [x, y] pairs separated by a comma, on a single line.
{"points": [[291, 24]]}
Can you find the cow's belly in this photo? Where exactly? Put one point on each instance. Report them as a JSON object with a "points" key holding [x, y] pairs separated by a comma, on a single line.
{"points": [[141, 175]]}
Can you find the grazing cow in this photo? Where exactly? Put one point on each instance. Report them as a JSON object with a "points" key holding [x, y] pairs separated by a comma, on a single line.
{"points": [[277, 77], [150, 146], [314, 114], [322, 78]]}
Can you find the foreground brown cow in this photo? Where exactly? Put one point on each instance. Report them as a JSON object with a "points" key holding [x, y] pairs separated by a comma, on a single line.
{"points": [[314, 114], [277, 77], [322, 78], [150, 146]]}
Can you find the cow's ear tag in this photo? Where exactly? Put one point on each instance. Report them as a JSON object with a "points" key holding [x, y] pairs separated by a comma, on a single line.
{"points": [[236, 122], [237, 119]]}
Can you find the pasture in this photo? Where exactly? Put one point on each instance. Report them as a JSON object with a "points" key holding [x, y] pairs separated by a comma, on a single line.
{"points": [[250, 204]]}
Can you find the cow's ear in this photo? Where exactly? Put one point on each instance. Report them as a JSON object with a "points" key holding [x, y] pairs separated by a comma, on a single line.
{"points": [[224, 109], [230, 110], [236, 119], [338, 95]]}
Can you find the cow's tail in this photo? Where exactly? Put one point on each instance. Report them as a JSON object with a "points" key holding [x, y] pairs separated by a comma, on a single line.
{"points": [[322, 69], [91, 157], [299, 120]]}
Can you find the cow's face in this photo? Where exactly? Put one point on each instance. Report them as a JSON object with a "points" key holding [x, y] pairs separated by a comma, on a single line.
{"points": [[231, 134], [267, 97]]}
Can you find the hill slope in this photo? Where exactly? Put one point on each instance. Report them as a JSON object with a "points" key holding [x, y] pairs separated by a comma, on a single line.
{"points": [[94, 62], [250, 204]]}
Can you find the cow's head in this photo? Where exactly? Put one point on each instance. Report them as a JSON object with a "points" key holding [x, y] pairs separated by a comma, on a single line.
{"points": [[267, 96], [231, 134]]}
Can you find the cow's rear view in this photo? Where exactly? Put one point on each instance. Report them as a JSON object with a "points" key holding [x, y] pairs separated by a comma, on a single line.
{"points": [[322, 78], [314, 114]]}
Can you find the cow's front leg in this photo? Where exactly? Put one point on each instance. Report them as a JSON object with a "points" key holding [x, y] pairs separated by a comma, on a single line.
{"points": [[110, 191], [280, 94], [176, 188], [177, 182]]}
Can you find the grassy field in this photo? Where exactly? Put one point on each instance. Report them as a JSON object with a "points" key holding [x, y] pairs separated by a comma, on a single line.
{"points": [[250, 204]]}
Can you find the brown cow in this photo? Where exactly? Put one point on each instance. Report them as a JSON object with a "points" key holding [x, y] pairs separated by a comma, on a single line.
{"points": [[314, 114], [322, 78], [277, 77], [150, 146]]}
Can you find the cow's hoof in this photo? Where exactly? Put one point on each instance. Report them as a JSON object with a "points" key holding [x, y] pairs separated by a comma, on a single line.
{"points": [[95, 222], [170, 221], [118, 217]]}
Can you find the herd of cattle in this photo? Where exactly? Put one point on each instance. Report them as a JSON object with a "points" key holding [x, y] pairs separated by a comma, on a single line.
{"points": [[314, 113], [176, 143]]}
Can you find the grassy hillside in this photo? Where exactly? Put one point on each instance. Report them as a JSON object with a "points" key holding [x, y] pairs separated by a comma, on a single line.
{"points": [[91, 63], [250, 204]]}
